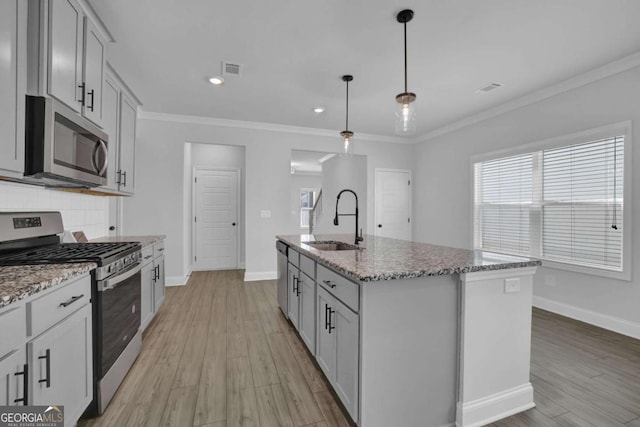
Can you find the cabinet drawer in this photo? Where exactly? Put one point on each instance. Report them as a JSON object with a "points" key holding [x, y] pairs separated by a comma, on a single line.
{"points": [[341, 287], [13, 324], [158, 249], [294, 257], [44, 312], [147, 254], [308, 266]]}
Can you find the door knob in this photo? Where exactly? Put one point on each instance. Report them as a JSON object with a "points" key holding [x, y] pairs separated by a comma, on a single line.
{"points": [[234, 224], [379, 225], [112, 227]]}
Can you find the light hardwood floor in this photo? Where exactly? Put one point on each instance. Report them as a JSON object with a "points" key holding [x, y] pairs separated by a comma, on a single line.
{"points": [[219, 353]]}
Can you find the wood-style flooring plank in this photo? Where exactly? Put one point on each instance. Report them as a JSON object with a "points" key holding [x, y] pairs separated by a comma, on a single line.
{"points": [[272, 407], [180, 407], [331, 410]]}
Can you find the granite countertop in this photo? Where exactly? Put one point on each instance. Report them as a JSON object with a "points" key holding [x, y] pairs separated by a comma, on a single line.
{"points": [[20, 281], [144, 240], [388, 259]]}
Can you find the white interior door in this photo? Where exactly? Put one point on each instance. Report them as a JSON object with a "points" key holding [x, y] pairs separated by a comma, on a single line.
{"points": [[216, 219], [393, 203]]}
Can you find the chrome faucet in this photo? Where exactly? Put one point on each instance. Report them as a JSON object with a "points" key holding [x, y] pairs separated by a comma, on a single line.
{"points": [[335, 219]]}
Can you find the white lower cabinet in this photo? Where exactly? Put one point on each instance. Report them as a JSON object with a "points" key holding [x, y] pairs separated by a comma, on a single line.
{"points": [[61, 365], [152, 282], [13, 376], [337, 350]]}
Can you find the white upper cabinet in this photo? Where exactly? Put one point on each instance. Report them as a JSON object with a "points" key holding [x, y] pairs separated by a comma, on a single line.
{"points": [[13, 68], [128, 111], [69, 54], [111, 109], [94, 64], [65, 23]]}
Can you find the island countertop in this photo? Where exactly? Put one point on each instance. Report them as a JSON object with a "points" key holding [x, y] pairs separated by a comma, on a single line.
{"points": [[20, 281], [383, 258]]}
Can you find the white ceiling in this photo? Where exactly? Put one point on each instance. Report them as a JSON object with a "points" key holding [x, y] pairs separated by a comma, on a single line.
{"points": [[295, 51]]}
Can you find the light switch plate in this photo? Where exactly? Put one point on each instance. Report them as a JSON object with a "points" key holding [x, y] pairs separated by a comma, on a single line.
{"points": [[265, 214], [512, 285]]}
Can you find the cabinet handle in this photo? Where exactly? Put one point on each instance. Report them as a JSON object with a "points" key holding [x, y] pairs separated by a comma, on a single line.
{"points": [[295, 285], [148, 256], [328, 283], [71, 300], [160, 249], [157, 271], [119, 178], [124, 178], [25, 385], [81, 100], [326, 316], [47, 378], [331, 327], [91, 94]]}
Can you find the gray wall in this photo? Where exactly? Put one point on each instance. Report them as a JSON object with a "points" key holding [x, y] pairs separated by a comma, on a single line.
{"points": [[443, 192], [161, 195]]}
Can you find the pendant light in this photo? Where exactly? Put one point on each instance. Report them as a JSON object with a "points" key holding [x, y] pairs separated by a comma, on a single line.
{"points": [[406, 115], [346, 133]]}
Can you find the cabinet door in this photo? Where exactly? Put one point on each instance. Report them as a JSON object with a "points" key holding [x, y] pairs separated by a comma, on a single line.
{"points": [[347, 334], [326, 342], [293, 286], [94, 64], [111, 106], [65, 377], [127, 143], [13, 70], [65, 52], [146, 295], [159, 291], [13, 374], [307, 313]]}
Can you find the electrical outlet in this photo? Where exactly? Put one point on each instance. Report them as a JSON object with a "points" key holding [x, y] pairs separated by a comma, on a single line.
{"points": [[512, 285], [550, 280], [265, 214]]}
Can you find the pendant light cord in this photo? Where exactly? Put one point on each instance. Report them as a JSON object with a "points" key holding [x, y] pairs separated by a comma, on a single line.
{"points": [[347, 123], [405, 57]]}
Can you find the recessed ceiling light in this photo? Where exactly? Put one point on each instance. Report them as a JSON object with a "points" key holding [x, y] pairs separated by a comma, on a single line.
{"points": [[318, 110], [488, 88], [216, 81]]}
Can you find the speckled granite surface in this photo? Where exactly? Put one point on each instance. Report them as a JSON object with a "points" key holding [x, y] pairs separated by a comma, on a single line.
{"points": [[388, 259], [144, 240], [20, 281]]}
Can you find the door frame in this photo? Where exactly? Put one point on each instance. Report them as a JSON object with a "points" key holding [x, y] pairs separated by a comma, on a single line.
{"points": [[375, 197], [193, 212]]}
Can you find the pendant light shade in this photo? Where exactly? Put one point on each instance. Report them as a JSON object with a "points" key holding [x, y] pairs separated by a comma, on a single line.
{"points": [[346, 134], [406, 113]]}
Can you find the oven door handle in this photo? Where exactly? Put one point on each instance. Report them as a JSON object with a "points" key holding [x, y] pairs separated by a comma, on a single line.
{"points": [[107, 284]]}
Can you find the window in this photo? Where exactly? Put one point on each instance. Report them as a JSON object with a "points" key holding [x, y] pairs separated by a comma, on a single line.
{"points": [[307, 200], [563, 203]]}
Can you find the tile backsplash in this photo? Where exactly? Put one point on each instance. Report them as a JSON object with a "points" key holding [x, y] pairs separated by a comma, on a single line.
{"points": [[79, 211]]}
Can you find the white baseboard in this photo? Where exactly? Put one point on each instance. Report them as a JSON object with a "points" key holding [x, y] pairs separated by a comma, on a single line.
{"points": [[177, 280], [260, 275], [495, 407], [605, 321]]}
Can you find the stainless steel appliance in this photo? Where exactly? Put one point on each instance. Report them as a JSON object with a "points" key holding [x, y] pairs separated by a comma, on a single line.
{"points": [[33, 238], [282, 276], [62, 149]]}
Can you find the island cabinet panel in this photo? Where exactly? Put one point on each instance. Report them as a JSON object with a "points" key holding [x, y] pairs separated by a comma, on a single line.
{"points": [[293, 284], [307, 311], [409, 336], [14, 375], [338, 348]]}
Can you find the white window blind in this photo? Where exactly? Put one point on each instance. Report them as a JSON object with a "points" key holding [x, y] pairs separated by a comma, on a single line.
{"points": [[561, 204], [582, 203], [504, 195]]}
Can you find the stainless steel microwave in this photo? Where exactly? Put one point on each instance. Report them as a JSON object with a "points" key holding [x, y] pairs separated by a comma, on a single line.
{"points": [[63, 149]]}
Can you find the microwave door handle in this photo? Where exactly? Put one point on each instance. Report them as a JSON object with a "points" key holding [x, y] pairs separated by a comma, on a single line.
{"points": [[106, 158]]}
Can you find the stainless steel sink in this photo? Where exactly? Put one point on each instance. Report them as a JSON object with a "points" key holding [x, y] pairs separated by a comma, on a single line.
{"points": [[332, 245]]}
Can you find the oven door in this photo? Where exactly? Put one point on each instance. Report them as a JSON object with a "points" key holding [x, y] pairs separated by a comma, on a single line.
{"points": [[118, 315]]}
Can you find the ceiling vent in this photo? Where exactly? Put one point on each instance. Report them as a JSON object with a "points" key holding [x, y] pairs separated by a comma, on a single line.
{"points": [[488, 88], [231, 69]]}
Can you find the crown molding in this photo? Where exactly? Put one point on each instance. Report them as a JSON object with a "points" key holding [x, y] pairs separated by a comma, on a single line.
{"points": [[272, 127], [610, 69]]}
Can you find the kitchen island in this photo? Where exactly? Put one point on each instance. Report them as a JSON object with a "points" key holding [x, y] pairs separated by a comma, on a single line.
{"points": [[414, 334]]}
